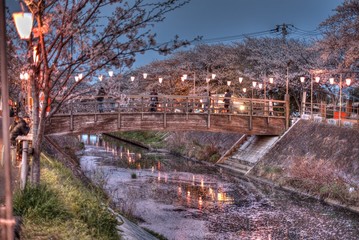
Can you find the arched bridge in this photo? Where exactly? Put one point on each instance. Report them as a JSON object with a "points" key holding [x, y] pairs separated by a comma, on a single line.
{"points": [[171, 113]]}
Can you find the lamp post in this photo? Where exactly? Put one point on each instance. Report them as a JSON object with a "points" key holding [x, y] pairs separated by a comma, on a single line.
{"points": [[254, 84], [185, 76], [304, 94], [9, 221], [317, 80], [347, 81]]}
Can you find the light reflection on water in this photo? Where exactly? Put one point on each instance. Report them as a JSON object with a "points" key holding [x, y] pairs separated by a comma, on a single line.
{"points": [[193, 192], [230, 211]]}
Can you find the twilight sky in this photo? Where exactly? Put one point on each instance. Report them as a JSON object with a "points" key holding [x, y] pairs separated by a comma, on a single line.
{"points": [[220, 19], [225, 18]]}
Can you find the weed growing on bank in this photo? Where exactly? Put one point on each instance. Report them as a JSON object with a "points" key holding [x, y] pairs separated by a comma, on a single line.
{"points": [[149, 138], [62, 208]]}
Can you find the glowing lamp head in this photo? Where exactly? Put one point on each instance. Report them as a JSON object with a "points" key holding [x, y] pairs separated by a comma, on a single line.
{"points": [[213, 76], [228, 83], [100, 77], [145, 75], [317, 79], [271, 80], [240, 79], [331, 80], [23, 22], [132, 78], [160, 80], [244, 89], [76, 78], [302, 79], [110, 73], [184, 76], [26, 76], [254, 83], [348, 81], [260, 85]]}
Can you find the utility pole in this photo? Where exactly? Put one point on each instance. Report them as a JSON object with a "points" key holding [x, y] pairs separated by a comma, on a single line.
{"points": [[284, 30]]}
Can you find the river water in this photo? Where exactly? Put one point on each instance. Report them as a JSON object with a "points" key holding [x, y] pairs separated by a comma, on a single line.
{"points": [[182, 199]]}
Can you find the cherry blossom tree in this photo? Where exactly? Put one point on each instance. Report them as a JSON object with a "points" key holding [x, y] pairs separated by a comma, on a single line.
{"points": [[255, 59], [339, 47], [86, 38]]}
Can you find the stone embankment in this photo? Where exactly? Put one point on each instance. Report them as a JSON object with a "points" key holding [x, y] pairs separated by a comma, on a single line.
{"points": [[317, 160]]}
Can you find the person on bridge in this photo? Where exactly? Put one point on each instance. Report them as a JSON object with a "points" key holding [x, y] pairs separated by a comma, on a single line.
{"points": [[227, 100], [100, 94], [19, 127], [206, 99], [153, 100]]}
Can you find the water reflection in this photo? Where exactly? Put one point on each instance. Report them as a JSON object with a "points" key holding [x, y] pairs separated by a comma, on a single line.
{"points": [[197, 193], [175, 197]]}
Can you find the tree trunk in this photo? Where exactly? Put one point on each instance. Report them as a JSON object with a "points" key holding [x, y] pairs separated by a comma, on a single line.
{"points": [[35, 170]]}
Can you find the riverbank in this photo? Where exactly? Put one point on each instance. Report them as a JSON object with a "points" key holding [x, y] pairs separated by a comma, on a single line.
{"points": [[62, 207], [317, 160]]}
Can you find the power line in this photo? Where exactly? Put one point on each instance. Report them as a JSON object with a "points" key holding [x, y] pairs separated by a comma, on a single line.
{"points": [[283, 29]]}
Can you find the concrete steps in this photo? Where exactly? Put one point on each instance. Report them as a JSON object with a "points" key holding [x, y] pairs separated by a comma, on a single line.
{"points": [[245, 156]]}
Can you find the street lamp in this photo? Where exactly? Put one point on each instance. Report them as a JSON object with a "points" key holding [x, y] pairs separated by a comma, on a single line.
{"points": [[317, 80], [347, 82], [185, 76], [23, 22], [254, 84]]}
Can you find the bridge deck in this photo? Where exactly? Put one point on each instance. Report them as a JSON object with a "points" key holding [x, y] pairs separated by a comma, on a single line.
{"points": [[173, 113]]}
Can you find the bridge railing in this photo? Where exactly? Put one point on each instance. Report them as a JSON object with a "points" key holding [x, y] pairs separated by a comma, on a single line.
{"points": [[348, 114], [176, 104]]}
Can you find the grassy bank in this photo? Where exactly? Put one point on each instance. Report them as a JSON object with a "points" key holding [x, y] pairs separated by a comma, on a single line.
{"points": [[198, 147], [62, 208]]}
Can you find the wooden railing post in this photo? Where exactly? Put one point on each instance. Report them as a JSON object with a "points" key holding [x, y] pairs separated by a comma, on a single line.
{"points": [[165, 112], [96, 111], [71, 118], [250, 114], [208, 117], [287, 111], [187, 108], [142, 108], [119, 120]]}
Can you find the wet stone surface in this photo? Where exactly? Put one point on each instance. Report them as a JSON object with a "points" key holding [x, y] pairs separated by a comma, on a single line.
{"points": [[181, 199]]}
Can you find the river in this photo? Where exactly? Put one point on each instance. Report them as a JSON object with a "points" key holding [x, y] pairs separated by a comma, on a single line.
{"points": [[182, 199]]}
